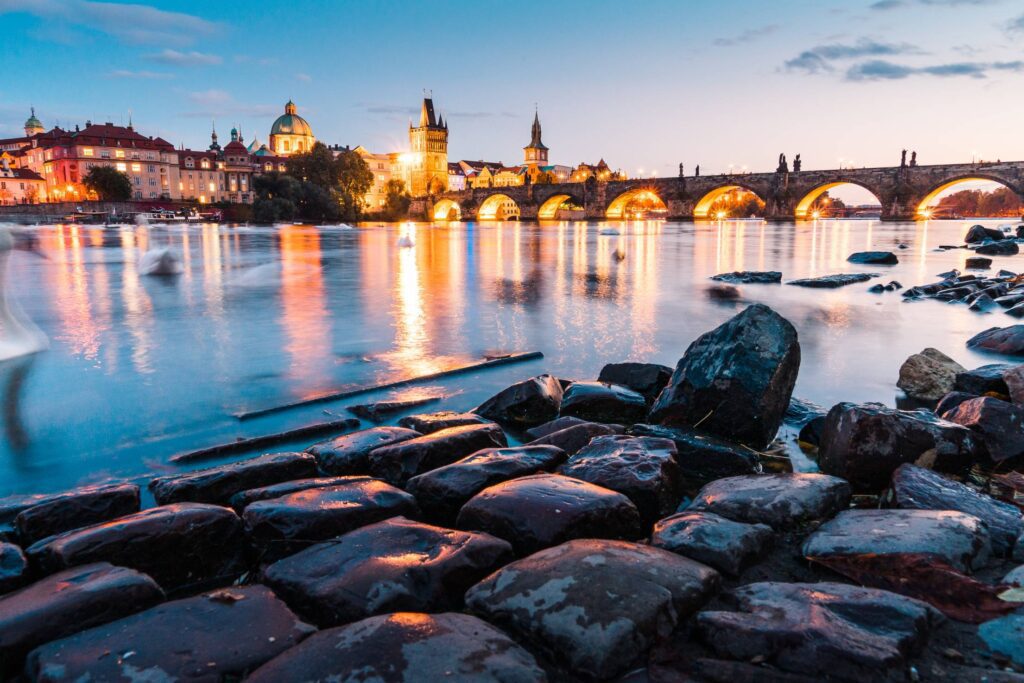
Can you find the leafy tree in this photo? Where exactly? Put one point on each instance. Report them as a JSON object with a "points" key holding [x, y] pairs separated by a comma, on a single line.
{"points": [[108, 183], [396, 202], [343, 178], [545, 178]]}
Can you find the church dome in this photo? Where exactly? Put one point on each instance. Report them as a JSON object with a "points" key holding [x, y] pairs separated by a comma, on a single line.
{"points": [[32, 122], [290, 123]]}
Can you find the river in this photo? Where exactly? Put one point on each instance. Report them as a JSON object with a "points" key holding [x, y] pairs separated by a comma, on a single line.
{"points": [[142, 367]]}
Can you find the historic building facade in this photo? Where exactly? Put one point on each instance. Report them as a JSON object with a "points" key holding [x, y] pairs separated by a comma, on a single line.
{"points": [[425, 167], [291, 134]]}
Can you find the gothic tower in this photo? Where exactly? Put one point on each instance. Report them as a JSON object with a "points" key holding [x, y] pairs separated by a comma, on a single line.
{"points": [[536, 154], [427, 165]]}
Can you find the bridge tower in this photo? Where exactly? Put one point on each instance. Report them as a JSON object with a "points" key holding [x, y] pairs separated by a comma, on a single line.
{"points": [[536, 153], [427, 165]]}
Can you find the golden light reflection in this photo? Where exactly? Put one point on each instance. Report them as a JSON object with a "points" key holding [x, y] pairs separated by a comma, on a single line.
{"points": [[304, 309], [138, 308]]}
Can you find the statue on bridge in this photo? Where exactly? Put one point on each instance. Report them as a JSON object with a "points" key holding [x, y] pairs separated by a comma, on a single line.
{"points": [[680, 169], [696, 173], [913, 158], [783, 164], [797, 164], [903, 159]]}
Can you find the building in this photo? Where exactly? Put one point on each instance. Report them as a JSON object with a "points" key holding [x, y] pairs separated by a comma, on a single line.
{"points": [[509, 176], [600, 170], [425, 167], [384, 167], [479, 173], [218, 174], [536, 153], [456, 177], [291, 134], [20, 185]]}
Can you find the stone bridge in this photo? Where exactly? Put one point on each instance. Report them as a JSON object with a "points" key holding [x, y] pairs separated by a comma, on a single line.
{"points": [[904, 192]]}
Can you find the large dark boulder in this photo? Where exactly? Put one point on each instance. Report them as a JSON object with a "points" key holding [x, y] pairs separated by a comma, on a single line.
{"points": [[864, 444], [218, 636], [600, 402], [832, 281], [929, 375], [284, 525], [642, 468], [874, 257], [1005, 637], [572, 439], [179, 545], [781, 501], [999, 425], [978, 262], [647, 379], [718, 542], [441, 493], [216, 485], [735, 381], [750, 277], [951, 401], [406, 648], [594, 607], [977, 234], [830, 631], [347, 454], [526, 404], [428, 423], [1005, 340], [543, 510], [399, 462], [917, 488], [392, 566], [240, 500], [960, 539], [13, 567], [1002, 248], [76, 509], [702, 457], [556, 425], [68, 602], [984, 380]]}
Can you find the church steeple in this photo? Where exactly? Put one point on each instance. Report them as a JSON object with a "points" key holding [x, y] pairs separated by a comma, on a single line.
{"points": [[214, 145], [536, 152]]}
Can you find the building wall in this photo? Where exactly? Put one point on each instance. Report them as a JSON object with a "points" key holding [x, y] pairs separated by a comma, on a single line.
{"points": [[428, 161], [153, 173], [20, 190]]}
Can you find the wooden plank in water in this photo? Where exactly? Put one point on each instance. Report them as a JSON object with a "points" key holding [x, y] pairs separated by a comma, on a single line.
{"points": [[335, 396], [223, 449]]}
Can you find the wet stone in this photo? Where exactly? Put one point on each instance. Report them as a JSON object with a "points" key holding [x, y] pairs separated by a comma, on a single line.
{"points": [[647, 379], [749, 277], [702, 457], [833, 281], [864, 444], [428, 423], [406, 648], [958, 538], [67, 602], [600, 402], [216, 485], [241, 499], [736, 380], [713, 540], [999, 425], [12, 506], [779, 500], [76, 509], [441, 493], [1014, 378], [13, 567], [984, 379], [217, 636], [827, 630], [641, 468], [178, 545], [347, 454], [811, 432], [284, 525], [572, 439], [1005, 340], [399, 462], [1003, 248], [928, 375], [391, 566], [917, 488], [381, 410], [594, 607], [979, 262], [526, 404], [556, 425], [951, 401], [874, 257], [543, 510], [1005, 636], [977, 234]]}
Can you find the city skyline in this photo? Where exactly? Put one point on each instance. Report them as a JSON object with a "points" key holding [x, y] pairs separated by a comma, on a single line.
{"points": [[817, 79]]}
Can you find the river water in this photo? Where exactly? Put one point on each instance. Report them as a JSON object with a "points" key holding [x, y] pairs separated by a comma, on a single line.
{"points": [[141, 367]]}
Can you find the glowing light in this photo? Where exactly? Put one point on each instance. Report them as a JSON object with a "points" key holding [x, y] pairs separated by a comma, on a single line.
{"points": [[720, 215], [926, 213], [816, 215]]}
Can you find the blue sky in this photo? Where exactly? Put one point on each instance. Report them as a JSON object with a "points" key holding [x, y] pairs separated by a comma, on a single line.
{"points": [[644, 85]]}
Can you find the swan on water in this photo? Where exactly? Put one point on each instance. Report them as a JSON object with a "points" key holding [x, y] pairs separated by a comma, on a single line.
{"points": [[406, 241], [160, 261], [610, 231], [19, 336]]}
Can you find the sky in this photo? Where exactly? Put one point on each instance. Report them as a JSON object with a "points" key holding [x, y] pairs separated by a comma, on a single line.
{"points": [[644, 85]]}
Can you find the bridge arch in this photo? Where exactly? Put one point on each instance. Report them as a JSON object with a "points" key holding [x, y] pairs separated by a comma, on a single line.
{"points": [[447, 210], [804, 208], [703, 207], [498, 207], [923, 208], [618, 206], [548, 209]]}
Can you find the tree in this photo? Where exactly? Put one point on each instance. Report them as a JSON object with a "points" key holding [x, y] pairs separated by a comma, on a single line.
{"points": [[344, 177], [108, 183], [545, 178], [436, 186], [396, 202]]}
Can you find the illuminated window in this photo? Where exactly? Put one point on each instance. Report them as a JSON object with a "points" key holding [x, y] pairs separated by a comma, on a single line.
{"points": [[122, 167], [205, 163], [137, 167], [119, 153], [87, 152], [213, 187]]}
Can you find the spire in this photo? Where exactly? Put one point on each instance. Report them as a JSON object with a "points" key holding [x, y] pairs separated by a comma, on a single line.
{"points": [[535, 131], [427, 114]]}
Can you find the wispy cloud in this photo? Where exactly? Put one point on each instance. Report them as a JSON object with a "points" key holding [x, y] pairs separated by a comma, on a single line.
{"points": [[1017, 24], [747, 36], [149, 75], [215, 102], [881, 70], [896, 4], [130, 23], [305, 78], [819, 59], [189, 58]]}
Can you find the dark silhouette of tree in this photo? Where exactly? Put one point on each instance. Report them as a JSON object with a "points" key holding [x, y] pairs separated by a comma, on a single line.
{"points": [[108, 183], [396, 201]]}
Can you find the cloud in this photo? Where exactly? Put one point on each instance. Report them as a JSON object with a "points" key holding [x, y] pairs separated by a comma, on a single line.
{"points": [[305, 78], [215, 102], [1017, 24], [881, 70], [895, 4], [414, 112], [747, 36], [150, 75], [129, 23], [819, 59], [190, 58]]}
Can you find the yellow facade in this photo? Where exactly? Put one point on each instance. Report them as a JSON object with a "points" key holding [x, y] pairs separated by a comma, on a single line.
{"points": [[425, 167], [291, 134]]}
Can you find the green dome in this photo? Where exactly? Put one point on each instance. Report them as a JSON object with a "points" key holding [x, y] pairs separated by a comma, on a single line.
{"points": [[32, 121], [290, 123]]}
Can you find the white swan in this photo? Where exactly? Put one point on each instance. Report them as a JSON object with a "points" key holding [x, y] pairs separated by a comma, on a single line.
{"points": [[160, 261], [405, 241], [610, 231], [19, 336]]}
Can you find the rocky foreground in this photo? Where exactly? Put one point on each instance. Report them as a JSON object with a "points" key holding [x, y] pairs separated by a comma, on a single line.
{"points": [[641, 527]]}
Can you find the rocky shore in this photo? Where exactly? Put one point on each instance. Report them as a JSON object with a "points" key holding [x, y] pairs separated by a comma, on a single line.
{"points": [[643, 526]]}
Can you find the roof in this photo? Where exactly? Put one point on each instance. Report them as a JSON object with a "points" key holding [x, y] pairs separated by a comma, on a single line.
{"points": [[455, 169], [104, 135], [236, 147], [21, 174], [479, 165], [290, 123]]}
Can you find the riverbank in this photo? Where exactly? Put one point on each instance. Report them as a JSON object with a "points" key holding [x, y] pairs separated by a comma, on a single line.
{"points": [[502, 543]]}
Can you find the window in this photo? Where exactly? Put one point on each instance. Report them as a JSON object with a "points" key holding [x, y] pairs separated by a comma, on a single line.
{"points": [[152, 168], [205, 163], [152, 181], [136, 155], [105, 154], [190, 162], [119, 153], [137, 167], [137, 179], [213, 187], [87, 152], [122, 167]]}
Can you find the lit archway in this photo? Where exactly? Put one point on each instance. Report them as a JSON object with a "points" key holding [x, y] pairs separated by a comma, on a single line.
{"points": [[447, 210], [818, 204], [635, 203], [1005, 199], [498, 207], [705, 206], [549, 209]]}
